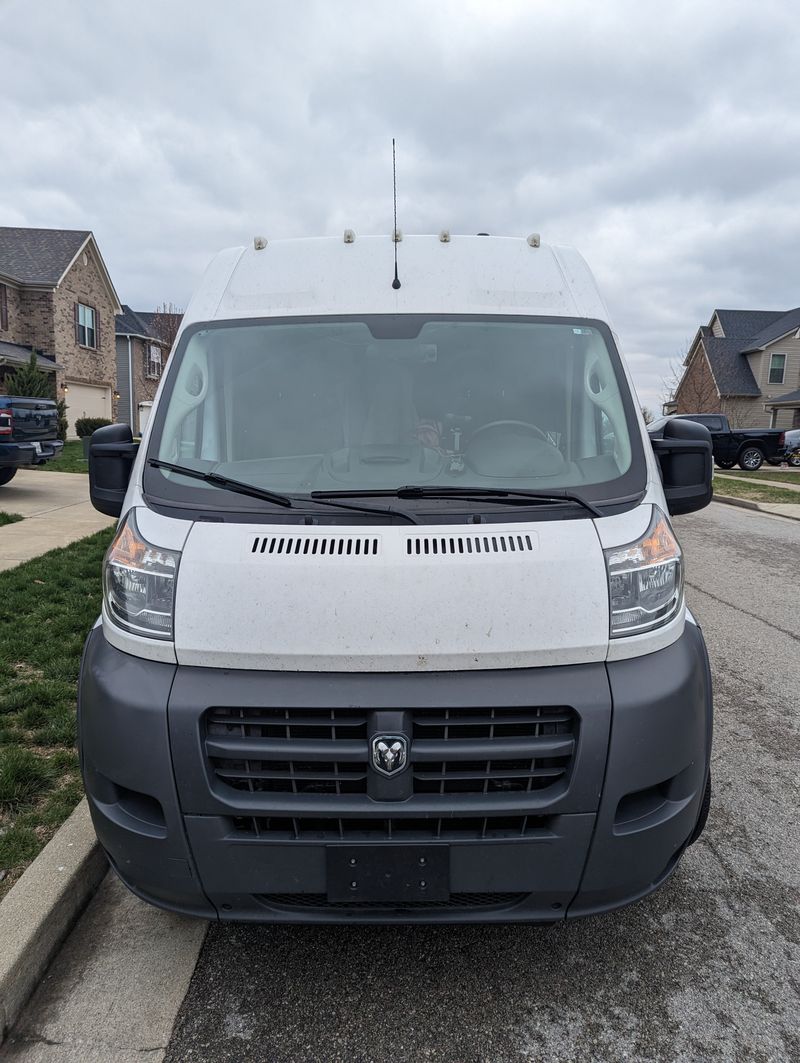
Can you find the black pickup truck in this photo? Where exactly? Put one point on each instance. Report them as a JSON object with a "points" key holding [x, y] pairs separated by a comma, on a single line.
{"points": [[28, 434], [750, 447]]}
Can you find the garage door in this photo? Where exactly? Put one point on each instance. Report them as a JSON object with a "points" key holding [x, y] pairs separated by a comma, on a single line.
{"points": [[86, 400]]}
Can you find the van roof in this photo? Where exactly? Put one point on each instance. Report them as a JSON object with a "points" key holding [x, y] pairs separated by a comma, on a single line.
{"points": [[460, 275]]}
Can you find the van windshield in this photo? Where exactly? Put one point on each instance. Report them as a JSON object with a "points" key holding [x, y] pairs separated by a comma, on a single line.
{"points": [[306, 405]]}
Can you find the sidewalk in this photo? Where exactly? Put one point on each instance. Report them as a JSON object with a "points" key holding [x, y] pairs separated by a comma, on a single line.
{"points": [[112, 993], [784, 485], [57, 511]]}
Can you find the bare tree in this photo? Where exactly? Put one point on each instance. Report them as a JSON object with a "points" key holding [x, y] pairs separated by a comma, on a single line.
{"points": [[648, 415], [692, 386], [166, 321]]}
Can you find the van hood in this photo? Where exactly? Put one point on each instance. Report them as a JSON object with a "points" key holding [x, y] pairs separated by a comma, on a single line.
{"points": [[391, 599]]}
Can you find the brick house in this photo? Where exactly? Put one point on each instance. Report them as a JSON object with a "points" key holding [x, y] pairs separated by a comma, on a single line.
{"points": [[745, 364], [57, 299], [143, 342]]}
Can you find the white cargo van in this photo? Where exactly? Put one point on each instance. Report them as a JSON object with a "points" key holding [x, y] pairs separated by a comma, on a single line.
{"points": [[393, 625]]}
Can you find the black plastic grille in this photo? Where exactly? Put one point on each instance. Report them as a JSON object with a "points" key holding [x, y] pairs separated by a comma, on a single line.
{"points": [[334, 828], [320, 902], [453, 751]]}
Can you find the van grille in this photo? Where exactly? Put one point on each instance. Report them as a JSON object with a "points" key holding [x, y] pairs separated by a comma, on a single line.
{"points": [[381, 828], [428, 545], [452, 751], [305, 546], [320, 902]]}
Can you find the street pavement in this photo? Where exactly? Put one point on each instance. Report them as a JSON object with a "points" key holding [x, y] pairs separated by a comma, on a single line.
{"points": [[707, 969], [56, 509]]}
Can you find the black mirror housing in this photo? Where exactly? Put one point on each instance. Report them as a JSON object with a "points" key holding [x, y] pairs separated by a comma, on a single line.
{"points": [[685, 458], [112, 453]]}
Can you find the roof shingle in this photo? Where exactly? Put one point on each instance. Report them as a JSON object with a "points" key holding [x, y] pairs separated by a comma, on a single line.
{"points": [[38, 256], [730, 367]]}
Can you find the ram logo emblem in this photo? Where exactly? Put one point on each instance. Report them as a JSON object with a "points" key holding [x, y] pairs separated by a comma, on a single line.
{"points": [[389, 753]]}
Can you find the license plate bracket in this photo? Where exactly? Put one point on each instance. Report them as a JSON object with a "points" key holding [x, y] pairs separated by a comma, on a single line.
{"points": [[390, 873]]}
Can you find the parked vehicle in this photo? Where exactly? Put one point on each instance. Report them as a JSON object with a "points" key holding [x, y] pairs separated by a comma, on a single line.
{"points": [[749, 447], [28, 434], [394, 625], [793, 448]]}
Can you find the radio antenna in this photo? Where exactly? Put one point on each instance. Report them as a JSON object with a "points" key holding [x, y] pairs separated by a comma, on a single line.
{"points": [[395, 234]]}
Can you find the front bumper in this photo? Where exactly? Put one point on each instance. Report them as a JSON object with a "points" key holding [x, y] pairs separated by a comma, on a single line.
{"points": [[608, 832]]}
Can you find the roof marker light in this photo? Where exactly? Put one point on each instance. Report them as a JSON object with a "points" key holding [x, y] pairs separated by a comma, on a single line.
{"points": [[444, 236], [349, 236], [397, 236], [259, 242], [534, 240]]}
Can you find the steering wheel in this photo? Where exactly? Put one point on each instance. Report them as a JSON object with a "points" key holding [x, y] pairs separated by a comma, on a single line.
{"points": [[531, 429]]}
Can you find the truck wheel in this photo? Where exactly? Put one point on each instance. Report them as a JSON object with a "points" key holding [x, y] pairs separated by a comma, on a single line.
{"points": [[702, 816], [794, 459], [724, 464], [751, 459], [6, 475]]}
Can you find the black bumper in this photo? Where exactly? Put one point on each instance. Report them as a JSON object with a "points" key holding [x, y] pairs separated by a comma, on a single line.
{"points": [[22, 455], [607, 832]]}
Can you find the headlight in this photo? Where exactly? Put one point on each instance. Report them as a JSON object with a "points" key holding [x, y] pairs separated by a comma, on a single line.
{"points": [[139, 583], [645, 580]]}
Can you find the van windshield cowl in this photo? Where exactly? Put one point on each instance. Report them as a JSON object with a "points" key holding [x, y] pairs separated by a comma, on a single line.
{"points": [[459, 407]]}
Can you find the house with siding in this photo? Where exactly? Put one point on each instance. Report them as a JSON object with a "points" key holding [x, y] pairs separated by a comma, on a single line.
{"points": [[143, 342], [57, 300], [745, 364]]}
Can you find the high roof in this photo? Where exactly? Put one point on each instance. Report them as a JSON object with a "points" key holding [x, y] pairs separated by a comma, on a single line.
{"points": [[39, 256], [458, 275]]}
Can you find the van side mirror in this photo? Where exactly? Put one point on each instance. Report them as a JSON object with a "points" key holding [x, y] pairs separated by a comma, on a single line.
{"points": [[112, 452], [686, 462]]}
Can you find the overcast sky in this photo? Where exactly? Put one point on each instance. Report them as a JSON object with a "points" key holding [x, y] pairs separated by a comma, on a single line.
{"points": [[662, 140]]}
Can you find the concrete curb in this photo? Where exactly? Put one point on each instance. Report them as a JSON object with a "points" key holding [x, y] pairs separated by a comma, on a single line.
{"points": [[745, 504], [40, 910]]}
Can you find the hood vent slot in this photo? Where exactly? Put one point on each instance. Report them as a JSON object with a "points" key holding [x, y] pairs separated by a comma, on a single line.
{"points": [[428, 545], [316, 545]]}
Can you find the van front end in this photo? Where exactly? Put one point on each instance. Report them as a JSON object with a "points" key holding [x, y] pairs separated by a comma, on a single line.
{"points": [[393, 624], [237, 794]]}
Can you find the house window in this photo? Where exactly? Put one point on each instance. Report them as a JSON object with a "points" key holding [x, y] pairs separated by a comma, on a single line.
{"points": [[85, 325], [3, 308], [154, 362], [777, 367]]}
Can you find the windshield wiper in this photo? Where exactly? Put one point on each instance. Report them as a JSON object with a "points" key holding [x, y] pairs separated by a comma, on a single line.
{"points": [[479, 494], [224, 482]]}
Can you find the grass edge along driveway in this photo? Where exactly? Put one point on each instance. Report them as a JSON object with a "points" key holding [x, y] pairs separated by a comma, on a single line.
{"points": [[753, 490], [47, 607]]}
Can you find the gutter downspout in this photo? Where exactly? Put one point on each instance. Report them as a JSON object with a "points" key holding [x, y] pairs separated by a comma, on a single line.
{"points": [[130, 388]]}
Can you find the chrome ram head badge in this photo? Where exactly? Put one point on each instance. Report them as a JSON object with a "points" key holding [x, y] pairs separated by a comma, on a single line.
{"points": [[389, 753]]}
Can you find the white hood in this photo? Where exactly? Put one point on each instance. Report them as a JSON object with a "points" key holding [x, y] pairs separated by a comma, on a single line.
{"points": [[391, 599]]}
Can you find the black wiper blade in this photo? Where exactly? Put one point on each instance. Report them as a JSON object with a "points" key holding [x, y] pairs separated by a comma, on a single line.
{"points": [[326, 498], [479, 494], [499, 494], [224, 482]]}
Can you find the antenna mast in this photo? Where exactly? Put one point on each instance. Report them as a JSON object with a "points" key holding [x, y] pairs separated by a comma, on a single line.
{"points": [[395, 234]]}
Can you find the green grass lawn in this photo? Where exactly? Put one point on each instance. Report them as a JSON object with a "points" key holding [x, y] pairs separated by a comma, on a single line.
{"points": [[764, 473], [47, 607], [9, 518], [754, 491], [71, 459]]}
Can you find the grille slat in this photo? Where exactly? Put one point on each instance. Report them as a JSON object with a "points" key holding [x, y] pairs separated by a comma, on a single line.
{"points": [[301, 751], [353, 547], [320, 901], [333, 828]]}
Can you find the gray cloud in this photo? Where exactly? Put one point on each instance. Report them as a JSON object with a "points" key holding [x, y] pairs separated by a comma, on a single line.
{"points": [[663, 141]]}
